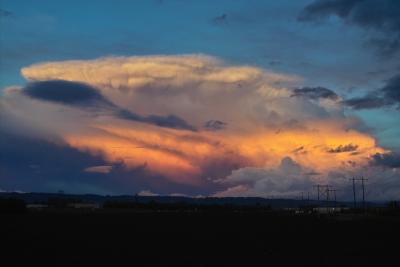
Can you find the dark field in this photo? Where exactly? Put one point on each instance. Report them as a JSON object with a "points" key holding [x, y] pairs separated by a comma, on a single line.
{"points": [[121, 238]]}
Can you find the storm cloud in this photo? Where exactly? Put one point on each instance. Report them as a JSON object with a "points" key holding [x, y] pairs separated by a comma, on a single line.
{"points": [[387, 96], [214, 125], [391, 160], [85, 96], [32, 164], [315, 93], [391, 91], [133, 114], [381, 18], [287, 180], [66, 92], [370, 101]]}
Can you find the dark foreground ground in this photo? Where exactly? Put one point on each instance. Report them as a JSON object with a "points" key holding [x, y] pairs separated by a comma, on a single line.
{"points": [[197, 239]]}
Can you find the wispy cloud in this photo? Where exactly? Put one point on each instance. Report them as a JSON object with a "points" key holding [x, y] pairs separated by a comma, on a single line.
{"points": [[380, 17], [387, 96], [5, 13]]}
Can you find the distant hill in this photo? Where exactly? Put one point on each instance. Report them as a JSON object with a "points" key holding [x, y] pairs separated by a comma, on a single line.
{"points": [[237, 201]]}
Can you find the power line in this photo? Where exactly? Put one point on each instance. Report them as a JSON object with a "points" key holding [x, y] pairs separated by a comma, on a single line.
{"points": [[321, 190], [334, 195], [318, 186], [354, 192], [362, 179]]}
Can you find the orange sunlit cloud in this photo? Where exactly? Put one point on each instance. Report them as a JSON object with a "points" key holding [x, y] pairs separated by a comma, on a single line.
{"points": [[255, 119]]}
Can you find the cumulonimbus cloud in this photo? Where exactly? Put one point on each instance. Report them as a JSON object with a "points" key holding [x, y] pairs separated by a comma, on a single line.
{"points": [[242, 117]]}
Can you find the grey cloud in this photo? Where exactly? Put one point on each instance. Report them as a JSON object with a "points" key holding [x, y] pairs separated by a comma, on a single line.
{"points": [[391, 160], [382, 16], [315, 93], [169, 121], [312, 173], [275, 63], [322, 8], [391, 90], [88, 97], [66, 92], [35, 165], [99, 169], [5, 13], [366, 102], [341, 149], [214, 125], [290, 179], [388, 95], [220, 19], [287, 180]]}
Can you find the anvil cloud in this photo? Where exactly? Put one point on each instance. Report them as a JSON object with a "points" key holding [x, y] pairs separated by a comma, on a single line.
{"points": [[192, 120]]}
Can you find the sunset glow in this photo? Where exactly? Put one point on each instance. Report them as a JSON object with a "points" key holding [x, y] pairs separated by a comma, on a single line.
{"points": [[191, 117]]}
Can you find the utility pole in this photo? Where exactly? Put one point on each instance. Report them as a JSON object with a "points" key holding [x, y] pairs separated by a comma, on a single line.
{"points": [[318, 186], [354, 192], [334, 193], [327, 191], [362, 179], [322, 189], [334, 196], [327, 194]]}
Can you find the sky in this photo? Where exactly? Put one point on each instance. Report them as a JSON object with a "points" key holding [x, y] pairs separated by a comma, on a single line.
{"points": [[200, 98]]}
